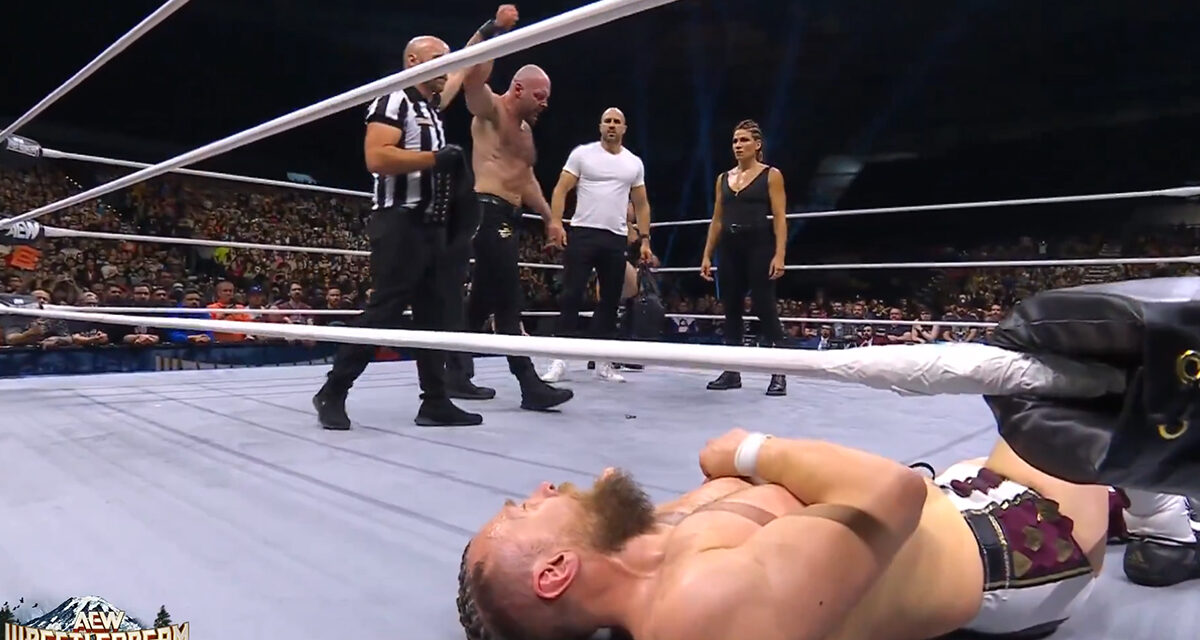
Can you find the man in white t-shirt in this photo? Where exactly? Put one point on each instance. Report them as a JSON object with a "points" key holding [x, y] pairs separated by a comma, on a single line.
{"points": [[606, 177]]}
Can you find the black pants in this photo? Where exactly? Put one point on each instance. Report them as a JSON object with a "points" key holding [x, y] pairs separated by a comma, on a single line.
{"points": [[744, 256], [406, 256], [604, 252], [496, 285], [455, 269]]}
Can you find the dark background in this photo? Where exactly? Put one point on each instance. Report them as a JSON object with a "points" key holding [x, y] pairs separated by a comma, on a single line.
{"points": [[864, 103]]}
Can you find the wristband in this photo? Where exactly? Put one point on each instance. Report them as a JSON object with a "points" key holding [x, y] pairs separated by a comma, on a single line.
{"points": [[745, 459], [490, 29]]}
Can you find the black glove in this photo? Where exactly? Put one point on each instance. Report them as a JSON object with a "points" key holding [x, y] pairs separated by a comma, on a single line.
{"points": [[1149, 436], [448, 158]]}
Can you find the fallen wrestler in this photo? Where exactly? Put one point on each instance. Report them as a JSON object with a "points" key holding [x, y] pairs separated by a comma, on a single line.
{"points": [[825, 542]]}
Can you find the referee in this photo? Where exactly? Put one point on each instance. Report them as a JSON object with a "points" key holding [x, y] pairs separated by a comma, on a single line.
{"points": [[606, 176], [416, 175]]}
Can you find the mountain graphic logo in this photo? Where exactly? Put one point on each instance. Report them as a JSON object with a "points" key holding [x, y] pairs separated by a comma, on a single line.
{"points": [[91, 618]]}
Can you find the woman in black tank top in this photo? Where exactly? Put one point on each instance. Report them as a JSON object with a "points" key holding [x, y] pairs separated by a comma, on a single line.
{"points": [[749, 234]]}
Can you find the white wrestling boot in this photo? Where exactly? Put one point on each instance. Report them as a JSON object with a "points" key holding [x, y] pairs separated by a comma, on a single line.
{"points": [[1194, 513], [604, 371], [557, 372]]}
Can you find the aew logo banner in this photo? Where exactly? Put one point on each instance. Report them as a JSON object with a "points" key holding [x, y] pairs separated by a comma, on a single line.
{"points": [[89, 618], [26, 232]]}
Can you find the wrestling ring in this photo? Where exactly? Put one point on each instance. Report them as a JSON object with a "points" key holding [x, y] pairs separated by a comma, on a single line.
{"points": [[215, 492]]}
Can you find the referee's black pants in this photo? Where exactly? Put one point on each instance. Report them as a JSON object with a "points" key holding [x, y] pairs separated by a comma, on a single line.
{"points": [[605, 252], [496, 285], [405, 257]]}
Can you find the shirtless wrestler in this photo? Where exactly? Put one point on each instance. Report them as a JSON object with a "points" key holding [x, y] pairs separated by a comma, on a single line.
{"points": [[503, 156], [831, 543]]}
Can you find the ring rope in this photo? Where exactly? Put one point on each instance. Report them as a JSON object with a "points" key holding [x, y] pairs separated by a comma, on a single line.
{"points": [[58, 232], [565, 24], [143, 311], [1178, 192], [55, 154], [964, 368], [121, 44], [1175, 192]]}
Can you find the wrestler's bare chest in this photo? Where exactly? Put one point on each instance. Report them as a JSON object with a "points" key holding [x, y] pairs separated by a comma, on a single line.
{"points": [[509, 140]]}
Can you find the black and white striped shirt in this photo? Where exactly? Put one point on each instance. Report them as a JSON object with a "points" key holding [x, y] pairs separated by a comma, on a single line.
{"points": [[421, 127]]}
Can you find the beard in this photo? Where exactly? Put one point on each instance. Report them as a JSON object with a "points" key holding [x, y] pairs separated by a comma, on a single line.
{"points": [[618, 510]]}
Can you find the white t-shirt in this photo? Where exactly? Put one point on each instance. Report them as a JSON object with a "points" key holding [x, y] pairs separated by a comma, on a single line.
{"points": [[605, 180]]}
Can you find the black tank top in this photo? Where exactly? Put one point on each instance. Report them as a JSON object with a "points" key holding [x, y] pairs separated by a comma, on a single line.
{"points": [[749, 207]]}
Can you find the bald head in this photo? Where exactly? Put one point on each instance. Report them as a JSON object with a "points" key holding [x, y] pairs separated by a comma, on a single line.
{"points": [[612, 127], [530, 89], [422, 49]]}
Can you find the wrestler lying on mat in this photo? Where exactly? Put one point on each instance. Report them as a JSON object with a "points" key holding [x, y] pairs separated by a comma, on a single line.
{"points": [[834, 543]]}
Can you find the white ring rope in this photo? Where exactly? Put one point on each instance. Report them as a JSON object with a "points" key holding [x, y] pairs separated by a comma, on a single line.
{"points": [[122, 43], [529, 314], [58, 232], [573, 21], [1080, 262], [129, 164], [231, 177], [912, 369], [1176, 192]]}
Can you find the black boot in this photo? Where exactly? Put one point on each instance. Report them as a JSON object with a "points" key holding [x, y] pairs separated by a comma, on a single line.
{"points": [[539, 396], [727, 380], [778, 386], [464, 389], [331, 409], [1151, 563], [440, 412]]}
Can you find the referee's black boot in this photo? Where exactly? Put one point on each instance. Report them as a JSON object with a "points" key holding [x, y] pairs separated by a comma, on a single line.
{"points": [[440, 412], [536, 395], [331, 409], [727, 380], [778, 386]]}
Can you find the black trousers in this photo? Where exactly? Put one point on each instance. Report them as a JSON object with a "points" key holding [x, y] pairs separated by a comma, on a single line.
{"points": [[455, 270], [605, 252], [406, 256], [744, 262], [496, 285]]}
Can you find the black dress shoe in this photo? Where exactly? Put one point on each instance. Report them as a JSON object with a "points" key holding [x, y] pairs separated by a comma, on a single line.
{"points": [[442, 413], [536, 395], [331, 410], [469, 391], [778, 386], [727, 380]]}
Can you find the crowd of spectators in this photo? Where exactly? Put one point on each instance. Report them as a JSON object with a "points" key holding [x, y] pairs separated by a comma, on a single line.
{"points": [[86, 272]]}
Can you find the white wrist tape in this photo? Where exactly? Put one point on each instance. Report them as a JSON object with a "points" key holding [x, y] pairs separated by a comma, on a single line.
{"points": [[745, 459]]}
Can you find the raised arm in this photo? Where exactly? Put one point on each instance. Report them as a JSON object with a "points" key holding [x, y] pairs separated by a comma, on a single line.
{"points": [[481, 100], [800, 575], [506, 17]]}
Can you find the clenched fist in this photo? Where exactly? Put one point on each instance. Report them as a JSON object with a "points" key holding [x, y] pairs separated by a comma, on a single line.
{"points": [[717, 457], [507, 16]]}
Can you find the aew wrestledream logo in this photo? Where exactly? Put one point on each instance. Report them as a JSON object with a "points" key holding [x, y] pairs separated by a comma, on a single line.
{"points": [[89, 618]]}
